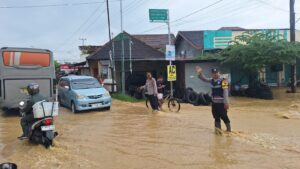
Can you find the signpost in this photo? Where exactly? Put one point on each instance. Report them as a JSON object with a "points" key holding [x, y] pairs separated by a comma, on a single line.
{"points": [[159, 15], [162, 15], [170, 52], [172, 73]]}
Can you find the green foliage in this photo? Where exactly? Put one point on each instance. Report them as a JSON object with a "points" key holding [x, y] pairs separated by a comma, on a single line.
{"points": [[87, 50], [124, 97], [162, 50], [210, 56], [57, 65], [252, 51]]}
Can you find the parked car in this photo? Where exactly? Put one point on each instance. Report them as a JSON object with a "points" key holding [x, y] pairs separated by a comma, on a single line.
{"points": [[82, 93]]}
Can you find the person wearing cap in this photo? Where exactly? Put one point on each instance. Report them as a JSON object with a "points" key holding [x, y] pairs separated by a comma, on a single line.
{"points": [[220, 101]]}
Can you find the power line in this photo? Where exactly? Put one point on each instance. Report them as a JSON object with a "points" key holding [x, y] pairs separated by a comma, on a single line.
{"points": [[130, 4], [233, 12], [134, 6], [87, 29], [193, 13], [188, 15], [53, 5], [81, 26], [273, 6]]}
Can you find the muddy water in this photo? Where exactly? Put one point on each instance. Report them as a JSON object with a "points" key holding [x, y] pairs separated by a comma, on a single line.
{"points": [[130, 136]]}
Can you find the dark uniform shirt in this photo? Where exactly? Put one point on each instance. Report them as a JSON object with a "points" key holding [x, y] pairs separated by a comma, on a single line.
{"points": [[219, 89], [33, 99]]}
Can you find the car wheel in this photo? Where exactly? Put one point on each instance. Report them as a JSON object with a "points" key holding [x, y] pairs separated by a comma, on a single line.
{"points": [[107, 108], [73, 107]]}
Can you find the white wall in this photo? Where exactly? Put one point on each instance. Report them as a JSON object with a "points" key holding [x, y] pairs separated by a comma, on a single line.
{"points": [[192, 80]]}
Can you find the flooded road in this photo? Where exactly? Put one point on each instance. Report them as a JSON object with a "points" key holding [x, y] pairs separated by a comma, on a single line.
{"points": [[265, 135]]}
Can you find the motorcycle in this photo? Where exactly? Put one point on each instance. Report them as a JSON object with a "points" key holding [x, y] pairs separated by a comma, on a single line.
{"points": [[41, 131]]}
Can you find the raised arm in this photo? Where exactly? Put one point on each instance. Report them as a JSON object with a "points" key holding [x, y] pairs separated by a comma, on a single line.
{"points": [[201, 76]]}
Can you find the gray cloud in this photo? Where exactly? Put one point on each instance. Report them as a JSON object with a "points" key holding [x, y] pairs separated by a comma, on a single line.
{"points": [[54, 27]]}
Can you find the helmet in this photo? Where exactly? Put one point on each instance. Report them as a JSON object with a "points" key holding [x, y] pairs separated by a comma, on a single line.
{"points": [[33, 88]]}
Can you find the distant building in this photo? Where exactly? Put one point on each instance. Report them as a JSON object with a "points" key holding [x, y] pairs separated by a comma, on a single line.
{"points": [[156, 41], [141, 56], [192, 44]]}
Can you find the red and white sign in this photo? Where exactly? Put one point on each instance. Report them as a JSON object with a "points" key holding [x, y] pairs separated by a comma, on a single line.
{"points": [[67, 67]]}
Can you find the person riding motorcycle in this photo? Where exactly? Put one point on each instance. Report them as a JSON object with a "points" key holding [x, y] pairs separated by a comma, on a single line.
{"points": [[33, 90]]}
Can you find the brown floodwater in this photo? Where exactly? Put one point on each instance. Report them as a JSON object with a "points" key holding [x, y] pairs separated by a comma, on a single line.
{"points": [[265, 135]]}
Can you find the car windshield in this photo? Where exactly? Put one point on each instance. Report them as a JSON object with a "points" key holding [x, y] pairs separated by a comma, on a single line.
{"points": [[85, 84]]}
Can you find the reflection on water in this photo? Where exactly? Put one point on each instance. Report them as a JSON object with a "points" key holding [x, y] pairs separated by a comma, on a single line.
{"points": [[129, 136]]}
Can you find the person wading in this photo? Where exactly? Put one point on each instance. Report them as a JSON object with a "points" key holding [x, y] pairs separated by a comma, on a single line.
{"points": [[151, 90], [220, 101], [160, 89]]}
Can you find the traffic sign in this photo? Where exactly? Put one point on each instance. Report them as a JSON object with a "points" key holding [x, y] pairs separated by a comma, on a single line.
{"points": [[170, 52], [158, 15], [171, 73]]}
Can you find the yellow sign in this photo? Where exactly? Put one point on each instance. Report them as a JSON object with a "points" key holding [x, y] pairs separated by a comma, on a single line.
{"points": [[171, 73]]}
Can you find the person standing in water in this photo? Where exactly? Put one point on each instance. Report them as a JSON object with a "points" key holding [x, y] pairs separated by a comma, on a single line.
{"points": [[160, 89], [220, 101], [151, 89]]}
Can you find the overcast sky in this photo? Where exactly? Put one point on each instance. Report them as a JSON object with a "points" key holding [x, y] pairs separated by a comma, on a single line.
{"points": [[58, 27]]}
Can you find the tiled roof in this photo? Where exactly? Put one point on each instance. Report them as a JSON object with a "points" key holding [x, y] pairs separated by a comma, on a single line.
{"points": [[195, 38], [233, 28], [157, 41], [139, 51]]}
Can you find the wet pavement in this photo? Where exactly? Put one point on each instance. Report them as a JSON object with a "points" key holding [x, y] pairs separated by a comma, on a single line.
{"points": [[265, 135]]}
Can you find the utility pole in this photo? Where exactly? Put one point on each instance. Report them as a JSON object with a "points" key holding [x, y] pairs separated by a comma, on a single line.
{"points": [[170, 43], [113, 51], [110, 51], [293, 39], [130, 56], [121, 12], [82, 39], [123, 55]]}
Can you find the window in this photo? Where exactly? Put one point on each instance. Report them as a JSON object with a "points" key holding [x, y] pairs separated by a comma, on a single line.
{"points": [[85, 84], [104, 73], [64, 83], [26, 59]]}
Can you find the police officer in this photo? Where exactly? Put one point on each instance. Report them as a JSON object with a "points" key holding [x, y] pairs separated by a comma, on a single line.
{"points": [[220, 102], [33, 90]]}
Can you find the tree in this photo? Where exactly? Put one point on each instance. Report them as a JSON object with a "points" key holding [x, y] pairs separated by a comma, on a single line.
{"points": [[57, 65], [252, 51], [89, 49]]}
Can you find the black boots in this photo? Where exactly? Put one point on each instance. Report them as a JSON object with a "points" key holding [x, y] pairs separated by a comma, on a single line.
{"points": [[228, 127], [218, 127], [218, 130]]}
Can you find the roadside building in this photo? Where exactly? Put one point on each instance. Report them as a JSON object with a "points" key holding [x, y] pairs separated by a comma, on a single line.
{"points": [[139, 58]]}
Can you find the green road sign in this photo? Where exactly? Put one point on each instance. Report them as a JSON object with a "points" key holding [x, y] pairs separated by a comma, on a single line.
{"points": [[158, 15]]}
